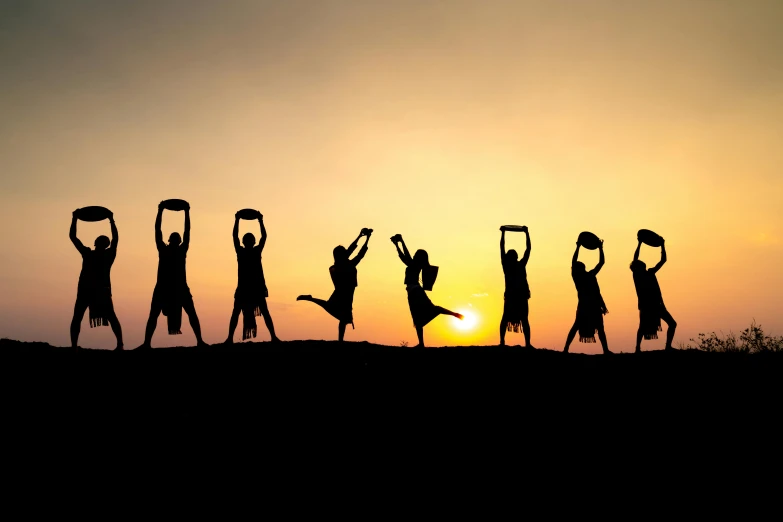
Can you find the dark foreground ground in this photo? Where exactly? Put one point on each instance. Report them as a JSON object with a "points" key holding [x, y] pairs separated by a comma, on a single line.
{"points": [[299, 382]]}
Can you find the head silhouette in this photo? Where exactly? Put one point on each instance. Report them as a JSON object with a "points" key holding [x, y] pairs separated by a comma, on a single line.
{"points": [[579, 267], [102, 243], [340, 254], [421, 258], [174, 239], [249, 240], [638, 266], [512, 255]]}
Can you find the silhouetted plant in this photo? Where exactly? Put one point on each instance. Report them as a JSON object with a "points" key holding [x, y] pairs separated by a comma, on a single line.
{"points": [[403, 344], [751, 340]]}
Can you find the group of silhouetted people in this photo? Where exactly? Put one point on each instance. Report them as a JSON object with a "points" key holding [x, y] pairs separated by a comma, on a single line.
{"points": [[172, 295]]}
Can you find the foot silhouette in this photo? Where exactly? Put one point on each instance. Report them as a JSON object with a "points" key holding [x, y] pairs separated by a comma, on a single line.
{"points": [[459, 316], [306, 297]]}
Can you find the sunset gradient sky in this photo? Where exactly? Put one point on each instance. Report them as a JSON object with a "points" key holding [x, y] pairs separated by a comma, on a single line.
{"points": [[439, 120]]}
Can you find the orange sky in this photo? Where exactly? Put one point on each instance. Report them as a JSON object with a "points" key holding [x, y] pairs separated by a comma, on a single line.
{"points": [[437, 120]]}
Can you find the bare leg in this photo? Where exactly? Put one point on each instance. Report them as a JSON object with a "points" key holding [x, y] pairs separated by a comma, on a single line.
{"points": [[672, 326], [232, 324], [341, 331], [117, 329], [76, 323], [602, 338], [190, 309], [269, 324], [526, 330], [570, 338], [503, 326], [443, 311], [319, 302], [420, 335], [639, 336], [152, 322]]}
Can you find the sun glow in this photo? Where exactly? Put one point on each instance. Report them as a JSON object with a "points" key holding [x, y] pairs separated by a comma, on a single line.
{"points": [[468, 322]]}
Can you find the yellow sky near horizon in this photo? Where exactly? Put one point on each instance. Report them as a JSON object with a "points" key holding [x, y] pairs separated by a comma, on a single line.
{"points": [[437, 120]]}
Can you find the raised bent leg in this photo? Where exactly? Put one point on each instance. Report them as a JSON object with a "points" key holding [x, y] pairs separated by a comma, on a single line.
{"points": [[443, 311]]}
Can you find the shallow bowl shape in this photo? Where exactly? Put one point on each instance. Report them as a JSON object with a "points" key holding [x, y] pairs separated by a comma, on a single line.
{"points": [[175, 204], [248, 213], [648, 237], [589, 240], [93, 213]]}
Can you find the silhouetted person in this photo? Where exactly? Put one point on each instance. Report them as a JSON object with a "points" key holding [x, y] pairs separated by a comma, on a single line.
{"points": [[94, 290], [251, 293], [515, 306], [591, 308], [422, 309], [172, 294], [344, 277], [651, 307]]}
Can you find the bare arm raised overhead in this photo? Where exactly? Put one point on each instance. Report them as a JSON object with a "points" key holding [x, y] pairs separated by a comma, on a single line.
{"points": [[115, 236], [575, 259], [502, 244], [526, 257], [353, 245], [75, 240], [638, 249], [601, 259], [186, 235], [235, 233], [158, 232], [262, 241], [405, 256], [663, 259], [362, 251]]}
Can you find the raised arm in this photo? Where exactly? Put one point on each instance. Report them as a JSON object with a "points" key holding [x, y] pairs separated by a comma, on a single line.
{"points": [[115, 236], [638, 249], [353, 245], [526, 257], [235, 233], [262, 241], [186, 235], [75, 240], [575, 259], [663, 258], [362, 251], [502, 244], [158, 232], [600, 264], [405, 256]]}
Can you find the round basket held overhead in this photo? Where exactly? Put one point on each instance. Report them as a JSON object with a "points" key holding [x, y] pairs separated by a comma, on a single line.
{"points": [[588, 240], [93, 213], [513, 228], [175, 204], [648, 237], [248, 213]]}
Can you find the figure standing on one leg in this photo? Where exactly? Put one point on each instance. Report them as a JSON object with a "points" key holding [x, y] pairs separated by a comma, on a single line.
{"points": [[94, 290], [172, 294], [344, 277], [651, 306], [422, 309], [251, 293], [515, 306], [591, 308]]}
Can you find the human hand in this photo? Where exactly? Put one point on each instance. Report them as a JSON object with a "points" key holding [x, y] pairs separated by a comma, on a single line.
{"points": [[601, 245], [524, 229]]}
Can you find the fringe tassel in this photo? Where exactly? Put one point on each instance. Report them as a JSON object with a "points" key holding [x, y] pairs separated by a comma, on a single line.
{"points": [[653, 335], [173, 331], [98, 321], [514, 326], [587, 339], [251, 330], [247, 333]]}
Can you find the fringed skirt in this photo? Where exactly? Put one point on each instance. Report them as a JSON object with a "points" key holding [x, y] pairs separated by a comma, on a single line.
{"points": [[650, 322], [171, 301], [340, 305], [515, 311], [422, 309], [100, 306], [252, 302], [589, 318]]}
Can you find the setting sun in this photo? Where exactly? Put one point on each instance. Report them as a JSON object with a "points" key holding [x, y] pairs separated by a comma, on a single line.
{"points": [[468, 322]]}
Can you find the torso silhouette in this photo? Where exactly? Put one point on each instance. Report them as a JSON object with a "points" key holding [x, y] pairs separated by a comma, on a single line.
{"points": [[171, 267], [586, 286], [412, 276], [250, 271], [647, 289], [344, 275], [516, 278], [96, 268]]}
